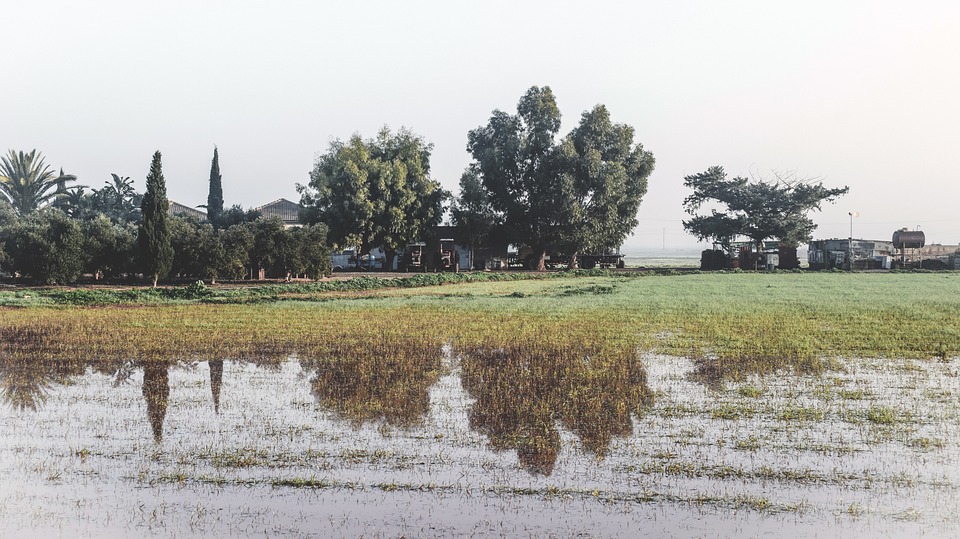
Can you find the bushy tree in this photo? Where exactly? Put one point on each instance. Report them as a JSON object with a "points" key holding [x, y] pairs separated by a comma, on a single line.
{"points": [[198, 249], [273, 250], [311, 254], [578, 194], [604, 181], [374, 193], [183, 241], [110, 247], [235, 215], [210, 252], [47, 247], [758, 210], [237, 242], [517, 159], [156, 254]]}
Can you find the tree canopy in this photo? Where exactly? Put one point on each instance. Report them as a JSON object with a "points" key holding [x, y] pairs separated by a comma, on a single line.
{"points": [[759, 210], [28, 183], [215, 194], [375, 192], [516, 158], [156, 253], [118, 200], [577, 194], [471, 211], [604, 183]]}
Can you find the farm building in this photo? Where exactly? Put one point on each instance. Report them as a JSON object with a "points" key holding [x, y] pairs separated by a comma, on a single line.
{"points": [[838, 253], [492, 254], [180, 210], [745, 255], [285, 210], [936, 256]]}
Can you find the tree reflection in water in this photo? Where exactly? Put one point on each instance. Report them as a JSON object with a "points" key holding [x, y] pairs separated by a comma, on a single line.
{"points": [[27, 379], [26, 384], [522, 390], [156, 391], [386, 378], [28, 369], [216, 381]]}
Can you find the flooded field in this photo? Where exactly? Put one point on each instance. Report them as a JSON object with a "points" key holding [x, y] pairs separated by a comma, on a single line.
{"points": [[473, 440]]}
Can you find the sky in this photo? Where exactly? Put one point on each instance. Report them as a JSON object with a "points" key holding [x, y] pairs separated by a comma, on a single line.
{"points": [[858, 93]]}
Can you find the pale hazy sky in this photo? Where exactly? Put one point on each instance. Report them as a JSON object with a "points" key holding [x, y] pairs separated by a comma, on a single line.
{"points": [[858, 93]]}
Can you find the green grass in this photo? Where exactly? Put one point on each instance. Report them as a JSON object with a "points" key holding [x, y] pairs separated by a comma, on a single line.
{"points": [[734, 324]]}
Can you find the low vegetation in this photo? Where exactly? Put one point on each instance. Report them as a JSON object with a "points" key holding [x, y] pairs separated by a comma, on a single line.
{"points": [[732, 325]]}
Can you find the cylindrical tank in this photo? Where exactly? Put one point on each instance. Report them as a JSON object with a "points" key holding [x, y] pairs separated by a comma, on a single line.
{"points": [[908, 239]]}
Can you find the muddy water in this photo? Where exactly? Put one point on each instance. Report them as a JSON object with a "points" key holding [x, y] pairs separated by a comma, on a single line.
{"points": [[298, 448]]}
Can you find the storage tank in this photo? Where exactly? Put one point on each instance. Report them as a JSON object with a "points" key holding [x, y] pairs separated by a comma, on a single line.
{"points": [[908, 239]]}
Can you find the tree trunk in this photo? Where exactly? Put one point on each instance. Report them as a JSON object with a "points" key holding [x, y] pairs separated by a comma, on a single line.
{"points": [[156, 276], [542, 260], [572, 263], [389, 256]]}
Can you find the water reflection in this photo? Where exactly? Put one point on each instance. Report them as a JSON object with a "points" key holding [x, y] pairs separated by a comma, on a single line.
{"points": [[385, 379], [27, 380], [26, 384], [522, 391], [216, 381], [156, 391]]}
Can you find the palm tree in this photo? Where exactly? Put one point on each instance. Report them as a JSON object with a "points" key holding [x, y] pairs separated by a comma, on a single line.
{"points": [[76, 203], [117, 199], [28, 184]]}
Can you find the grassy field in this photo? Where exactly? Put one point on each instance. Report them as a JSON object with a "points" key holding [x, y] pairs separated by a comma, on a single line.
{"points": [[683, 404], [732, 324]]}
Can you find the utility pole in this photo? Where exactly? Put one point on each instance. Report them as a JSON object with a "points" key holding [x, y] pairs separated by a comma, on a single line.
{"points": [[852, 214]]}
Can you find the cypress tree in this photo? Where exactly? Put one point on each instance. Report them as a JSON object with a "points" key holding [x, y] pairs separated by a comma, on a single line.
{"points": [[156, 253], [215, 197]]}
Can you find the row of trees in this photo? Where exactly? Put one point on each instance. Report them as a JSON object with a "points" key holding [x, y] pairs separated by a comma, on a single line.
{"points": [[574, 194], [52, 234], [50, 247]]}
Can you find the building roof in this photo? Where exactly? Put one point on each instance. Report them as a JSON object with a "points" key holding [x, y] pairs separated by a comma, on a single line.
{"points": [[288, 212], [181, 210]]}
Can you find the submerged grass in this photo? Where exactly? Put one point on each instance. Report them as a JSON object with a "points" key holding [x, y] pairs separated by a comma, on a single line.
{"points": [[732, 325]]}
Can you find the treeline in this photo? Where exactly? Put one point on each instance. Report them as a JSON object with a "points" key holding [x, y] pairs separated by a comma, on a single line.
{"points": [[50, 234], [50, 247], [526, 185]]}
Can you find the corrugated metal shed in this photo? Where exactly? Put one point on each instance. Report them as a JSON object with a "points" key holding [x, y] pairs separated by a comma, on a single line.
{"points": [[176, 208], [287, 211]]}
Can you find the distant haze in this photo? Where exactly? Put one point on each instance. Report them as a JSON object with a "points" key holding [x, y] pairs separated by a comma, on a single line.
{"points": [[865, 94]]}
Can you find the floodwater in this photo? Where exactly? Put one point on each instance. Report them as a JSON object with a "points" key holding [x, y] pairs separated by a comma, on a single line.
{"points": [[302, 447]]}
